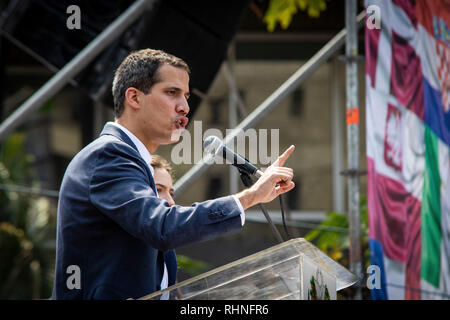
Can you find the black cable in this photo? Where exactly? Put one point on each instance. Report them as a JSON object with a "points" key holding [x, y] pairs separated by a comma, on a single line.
{"points": [[282, 217], [247, 181], [271, 224]]}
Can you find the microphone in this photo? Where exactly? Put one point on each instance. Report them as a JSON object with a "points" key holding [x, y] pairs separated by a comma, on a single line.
{"points": [[215, 146]]}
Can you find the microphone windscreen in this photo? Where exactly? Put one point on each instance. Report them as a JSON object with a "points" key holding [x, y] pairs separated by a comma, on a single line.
{"points": [[212, 144]]}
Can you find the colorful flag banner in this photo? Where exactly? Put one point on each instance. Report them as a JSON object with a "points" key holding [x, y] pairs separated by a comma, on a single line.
{"points": [[408, 147]]}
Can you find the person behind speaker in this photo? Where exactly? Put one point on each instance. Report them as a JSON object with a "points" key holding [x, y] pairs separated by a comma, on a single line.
{"points": [[164, 176]]}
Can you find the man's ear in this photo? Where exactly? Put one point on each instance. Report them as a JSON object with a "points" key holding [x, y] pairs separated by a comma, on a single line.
{"points": [[132, 98]]}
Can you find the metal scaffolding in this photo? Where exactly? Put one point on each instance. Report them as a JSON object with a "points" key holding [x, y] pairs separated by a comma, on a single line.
{"points": [[76, 65], [347, 36], [327, 51]]}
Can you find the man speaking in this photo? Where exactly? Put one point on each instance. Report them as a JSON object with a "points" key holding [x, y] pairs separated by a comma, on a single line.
{"points": [[112, 229]]}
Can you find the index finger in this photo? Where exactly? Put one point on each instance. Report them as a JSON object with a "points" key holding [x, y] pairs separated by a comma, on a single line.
{"points": [[282, 159]]}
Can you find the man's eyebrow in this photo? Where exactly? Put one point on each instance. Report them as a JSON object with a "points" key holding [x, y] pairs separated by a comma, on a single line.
{"points": [[178, 89], [174, 88], [161, 185]]}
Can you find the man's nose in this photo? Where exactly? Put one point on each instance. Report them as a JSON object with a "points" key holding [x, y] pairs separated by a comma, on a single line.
{"points": [[183, 108]]}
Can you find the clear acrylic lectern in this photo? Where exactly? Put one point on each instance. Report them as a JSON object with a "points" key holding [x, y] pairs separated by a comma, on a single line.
{"points": [[294, 269]]}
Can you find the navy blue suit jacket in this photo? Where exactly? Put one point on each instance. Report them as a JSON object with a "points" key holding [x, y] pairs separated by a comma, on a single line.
{"points": [[115, 229]]}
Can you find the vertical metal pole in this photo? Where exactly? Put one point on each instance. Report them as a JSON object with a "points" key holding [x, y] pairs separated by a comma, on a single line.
{"points": [[352, 119], [232, 118], [338, 129]]}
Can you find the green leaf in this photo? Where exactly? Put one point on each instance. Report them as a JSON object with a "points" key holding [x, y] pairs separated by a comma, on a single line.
{"points": [[332, 235], [191, 266], [27, 272], [282, 11]]}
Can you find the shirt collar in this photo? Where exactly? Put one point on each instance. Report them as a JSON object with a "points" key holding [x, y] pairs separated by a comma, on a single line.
{"points": [[143, 151]]}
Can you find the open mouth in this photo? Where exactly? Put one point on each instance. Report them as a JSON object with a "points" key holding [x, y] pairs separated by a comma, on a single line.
{"points": [[181, 122], [180, 125]]}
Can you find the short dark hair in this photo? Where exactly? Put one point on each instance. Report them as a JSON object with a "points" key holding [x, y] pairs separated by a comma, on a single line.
{"points": [[140, 70]]}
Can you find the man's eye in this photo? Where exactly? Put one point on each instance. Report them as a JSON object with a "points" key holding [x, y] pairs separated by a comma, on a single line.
{"points": [[159, 189]]}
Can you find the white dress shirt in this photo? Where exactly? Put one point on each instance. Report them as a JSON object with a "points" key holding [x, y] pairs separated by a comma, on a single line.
{"points": [[145, 154]]}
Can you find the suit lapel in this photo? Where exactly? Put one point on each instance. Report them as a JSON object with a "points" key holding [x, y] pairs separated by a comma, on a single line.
{"points": [[114, 131]]}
